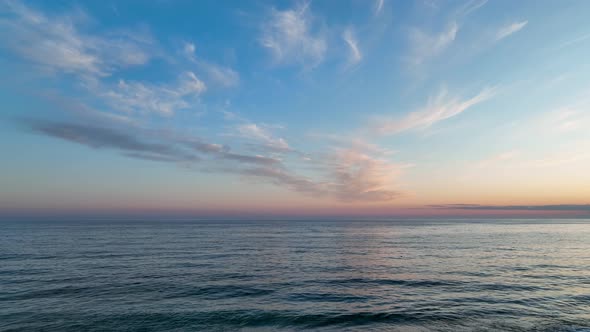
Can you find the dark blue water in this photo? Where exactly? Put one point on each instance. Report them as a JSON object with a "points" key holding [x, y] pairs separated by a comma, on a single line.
{"points": [[297, 275]]}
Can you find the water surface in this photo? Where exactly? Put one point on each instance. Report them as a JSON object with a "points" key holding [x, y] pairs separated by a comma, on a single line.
{"points": [[295, 275]]}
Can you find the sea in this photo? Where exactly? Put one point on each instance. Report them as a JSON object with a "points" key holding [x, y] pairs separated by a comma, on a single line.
{"points": [[295, 275]]}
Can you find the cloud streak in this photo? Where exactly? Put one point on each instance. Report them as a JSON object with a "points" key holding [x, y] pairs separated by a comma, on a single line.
{"points": [[354, 53], [143, 144], [438, 109], [378, 7], [98, 137], [470, 6], [510, 29], [556, 207]]}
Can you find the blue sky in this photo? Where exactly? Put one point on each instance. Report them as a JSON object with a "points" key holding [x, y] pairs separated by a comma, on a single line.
{"points": [[263, 106]]}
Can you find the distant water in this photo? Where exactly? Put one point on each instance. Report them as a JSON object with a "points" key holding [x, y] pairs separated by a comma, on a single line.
{"points": [[296, 275]]}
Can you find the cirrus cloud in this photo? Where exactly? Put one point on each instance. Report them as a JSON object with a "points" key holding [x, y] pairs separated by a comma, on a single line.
{"points": [[437, 109], [425, 46], [509, 29], [354, 52], [132, 96], [60, 44], [290, 38]]}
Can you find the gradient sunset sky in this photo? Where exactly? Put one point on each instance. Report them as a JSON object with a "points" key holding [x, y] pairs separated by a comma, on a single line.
{"points": [[335, 107]]}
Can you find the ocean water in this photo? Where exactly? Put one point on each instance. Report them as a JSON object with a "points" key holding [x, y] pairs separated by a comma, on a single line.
{"points": [[295, 275]]}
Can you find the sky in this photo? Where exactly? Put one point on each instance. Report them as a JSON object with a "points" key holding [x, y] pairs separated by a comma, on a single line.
{"points": [[293, 108]]}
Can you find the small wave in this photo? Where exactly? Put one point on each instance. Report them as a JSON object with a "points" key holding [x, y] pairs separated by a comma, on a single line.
{"points": [[45, 293], [219, 292], [400, 282], [255, 318], [327, 297]]}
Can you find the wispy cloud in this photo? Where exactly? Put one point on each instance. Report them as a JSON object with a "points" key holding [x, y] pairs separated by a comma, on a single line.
{"points": [[220, 75], [568, 119], [217, 74], [354, 52], [261, 134], [509, 29], [378, 6], [438, 108], [131, 96], [357, 176], [571, 119], [470, 7], [59, 44], [259, 137], [347, 175], [574, 41], [100, 137], [290, 37], [284, 178], [425, 46], [141, 143]]}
